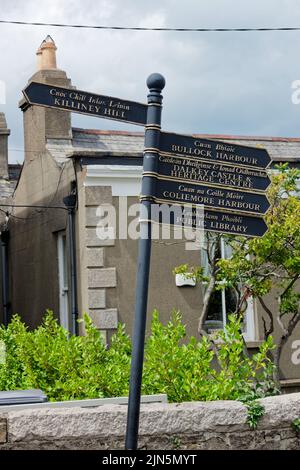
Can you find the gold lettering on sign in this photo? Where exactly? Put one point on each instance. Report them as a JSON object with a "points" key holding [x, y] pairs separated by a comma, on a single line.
{"points": [[55, 92], [114, 113], [97, 101], [226, 153], [224, 227], [76, 96], [198, 152], [76, 105], [239, 205], [90, 104], [230, 224], [197, 143], [210, 172], [236, 158], [186, 197], [213, 197], [119, 105], [226, 148]]}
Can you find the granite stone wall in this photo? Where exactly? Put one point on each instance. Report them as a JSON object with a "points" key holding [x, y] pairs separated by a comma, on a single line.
{"points": [[195, 425]]}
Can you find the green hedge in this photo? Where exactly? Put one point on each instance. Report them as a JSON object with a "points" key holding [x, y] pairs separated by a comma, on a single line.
{"points": [[68, 367]]}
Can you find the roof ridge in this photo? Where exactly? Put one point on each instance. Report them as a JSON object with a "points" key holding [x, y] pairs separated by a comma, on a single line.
{"points": [[108, 132], [204, 136], [248, 137]]}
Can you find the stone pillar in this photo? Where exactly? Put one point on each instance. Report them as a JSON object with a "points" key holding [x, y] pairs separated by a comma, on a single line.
{"points": [[4, 133], [96, 276]]}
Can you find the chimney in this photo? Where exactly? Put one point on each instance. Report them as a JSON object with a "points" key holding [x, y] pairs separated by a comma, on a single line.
{"points": [[4, 133], [46, 55], [39, 58], [41, 123]]}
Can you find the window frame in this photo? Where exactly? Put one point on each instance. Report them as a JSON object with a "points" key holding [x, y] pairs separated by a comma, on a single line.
{"points": [[250, 332], [63, 280]]}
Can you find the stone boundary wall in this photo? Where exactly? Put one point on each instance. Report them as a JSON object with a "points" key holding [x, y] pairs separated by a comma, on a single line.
{"points": [[194, 425]]}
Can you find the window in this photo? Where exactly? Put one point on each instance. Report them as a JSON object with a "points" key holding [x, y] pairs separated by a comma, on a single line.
{"points": [[223, 302], [64, 314]]}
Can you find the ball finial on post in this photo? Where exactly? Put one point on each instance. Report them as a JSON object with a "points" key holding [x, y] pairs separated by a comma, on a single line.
{"points": [[156, 81]]}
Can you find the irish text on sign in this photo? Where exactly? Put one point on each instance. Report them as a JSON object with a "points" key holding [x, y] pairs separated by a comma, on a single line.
{"points": [[210, 197], [212, 173]]}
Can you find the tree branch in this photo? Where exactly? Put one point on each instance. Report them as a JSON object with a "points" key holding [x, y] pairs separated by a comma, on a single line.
{"points": [[270, 330], [280, 323], [208, 293], [289, 285], [265, 327]]}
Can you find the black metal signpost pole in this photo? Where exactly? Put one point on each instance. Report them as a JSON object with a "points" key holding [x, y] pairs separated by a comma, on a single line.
{"points": [[155, 83]]}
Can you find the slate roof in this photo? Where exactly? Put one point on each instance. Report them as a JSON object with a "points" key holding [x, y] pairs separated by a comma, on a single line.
{"points": [[100, 142], [7, 188]]}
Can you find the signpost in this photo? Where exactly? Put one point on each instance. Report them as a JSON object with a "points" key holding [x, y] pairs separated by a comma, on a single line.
{"points": [[155, 83], [228, 180], [83, 102], [184, 171]]}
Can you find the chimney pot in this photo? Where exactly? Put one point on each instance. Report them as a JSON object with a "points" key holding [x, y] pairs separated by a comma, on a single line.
{"points": [[46, 54]]}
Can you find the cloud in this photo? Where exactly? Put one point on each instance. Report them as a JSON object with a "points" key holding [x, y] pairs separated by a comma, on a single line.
{"points": [[237, 83]]}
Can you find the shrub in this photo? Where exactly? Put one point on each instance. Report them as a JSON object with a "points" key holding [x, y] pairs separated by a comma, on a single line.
{"points": [[68, 367], [255, 413], [64, 367], [218, 369]]}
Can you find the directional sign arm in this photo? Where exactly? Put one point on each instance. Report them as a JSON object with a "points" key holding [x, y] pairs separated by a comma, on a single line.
{"points": [[180, 168], [214, 150], [212, 221], [214, 198], [83, 102]]}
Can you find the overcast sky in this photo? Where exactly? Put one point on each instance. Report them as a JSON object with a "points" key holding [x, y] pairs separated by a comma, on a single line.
{"points": [[217, 83]]}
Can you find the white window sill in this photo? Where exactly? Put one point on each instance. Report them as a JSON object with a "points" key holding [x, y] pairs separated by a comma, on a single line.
{"points": [[249, 344]]}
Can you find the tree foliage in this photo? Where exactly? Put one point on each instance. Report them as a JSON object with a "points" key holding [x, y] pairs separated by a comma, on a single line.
{"points": [[269, 264]]}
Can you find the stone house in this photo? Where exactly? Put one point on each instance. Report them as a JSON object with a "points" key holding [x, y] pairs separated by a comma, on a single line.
{"points": [[96, 168]]}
